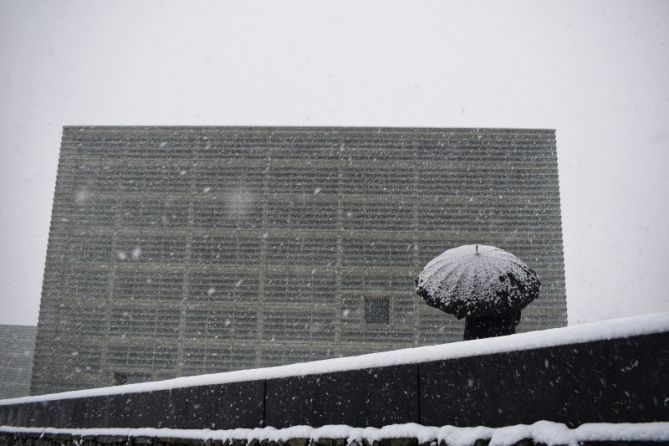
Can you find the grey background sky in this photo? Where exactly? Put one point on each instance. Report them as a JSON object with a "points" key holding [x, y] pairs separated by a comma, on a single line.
{"points": [[596, 71]]}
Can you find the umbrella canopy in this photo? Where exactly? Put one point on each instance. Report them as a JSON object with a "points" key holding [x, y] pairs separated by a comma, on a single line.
{"points": [[477, 281]]}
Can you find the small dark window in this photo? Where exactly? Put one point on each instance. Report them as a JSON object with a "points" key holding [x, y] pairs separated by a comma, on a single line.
{"points": [[377, 310]]}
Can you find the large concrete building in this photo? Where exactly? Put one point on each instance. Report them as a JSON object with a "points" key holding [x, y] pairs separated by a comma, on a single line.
{"points": [[186, 250], [17, 345]]}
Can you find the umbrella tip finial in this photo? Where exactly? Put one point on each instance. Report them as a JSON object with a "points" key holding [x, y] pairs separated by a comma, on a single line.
{"points": [[477, 249]]}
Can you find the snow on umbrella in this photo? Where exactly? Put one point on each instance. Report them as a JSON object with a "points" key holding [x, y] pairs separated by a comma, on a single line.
{"points": [[479, 282]]}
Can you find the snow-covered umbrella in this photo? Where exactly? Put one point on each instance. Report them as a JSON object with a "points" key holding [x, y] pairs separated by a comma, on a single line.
{"points": [[482, 283]]}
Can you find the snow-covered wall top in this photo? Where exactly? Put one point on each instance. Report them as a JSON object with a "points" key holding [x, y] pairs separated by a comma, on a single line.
{"points": [[613, 329], [542, 432]]}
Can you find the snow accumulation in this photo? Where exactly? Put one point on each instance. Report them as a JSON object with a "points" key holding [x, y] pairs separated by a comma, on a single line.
{"points": [[541, 432], [612, 329], [470, 280]]}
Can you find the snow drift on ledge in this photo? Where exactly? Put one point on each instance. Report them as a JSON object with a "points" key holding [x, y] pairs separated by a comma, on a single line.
{"points": [[611, 329], [544, 432]]}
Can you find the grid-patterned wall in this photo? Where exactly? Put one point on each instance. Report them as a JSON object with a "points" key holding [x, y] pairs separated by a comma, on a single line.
{"points": [[186, 250], [17, 344]]}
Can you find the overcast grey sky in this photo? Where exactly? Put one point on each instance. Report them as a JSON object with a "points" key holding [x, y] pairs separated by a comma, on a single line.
{"points": [[596, 71]]}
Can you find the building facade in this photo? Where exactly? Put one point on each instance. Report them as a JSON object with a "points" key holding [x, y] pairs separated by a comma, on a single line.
{"points": [[186, 250], [17, 345]]}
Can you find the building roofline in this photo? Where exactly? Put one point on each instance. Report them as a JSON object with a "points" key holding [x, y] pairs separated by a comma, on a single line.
{"points": [[290, 127]]}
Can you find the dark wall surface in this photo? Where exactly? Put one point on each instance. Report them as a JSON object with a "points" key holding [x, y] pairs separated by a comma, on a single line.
{"points": [[379, 396], [619, 380]]}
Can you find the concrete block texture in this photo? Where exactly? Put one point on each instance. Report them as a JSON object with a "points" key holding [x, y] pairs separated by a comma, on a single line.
{"points": [[17, 346], [187, 250]]}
